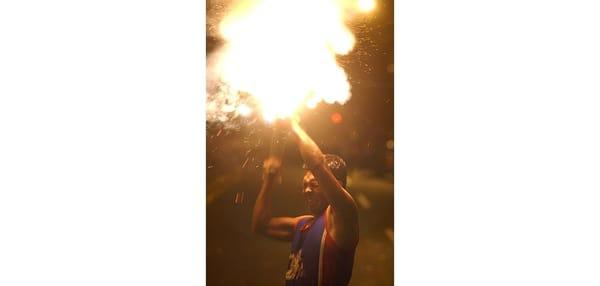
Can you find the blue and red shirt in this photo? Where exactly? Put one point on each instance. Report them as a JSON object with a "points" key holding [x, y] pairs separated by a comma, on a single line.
{"points": [[315, 259]]}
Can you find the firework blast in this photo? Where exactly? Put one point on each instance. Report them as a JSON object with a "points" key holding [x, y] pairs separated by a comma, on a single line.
{"points": [[279, 57]]}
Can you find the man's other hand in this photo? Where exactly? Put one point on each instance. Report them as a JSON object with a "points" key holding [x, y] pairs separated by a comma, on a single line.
{"points": [[271, 168]]}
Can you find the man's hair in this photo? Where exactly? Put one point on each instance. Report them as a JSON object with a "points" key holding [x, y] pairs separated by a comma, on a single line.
{"points": [[337, 165]]}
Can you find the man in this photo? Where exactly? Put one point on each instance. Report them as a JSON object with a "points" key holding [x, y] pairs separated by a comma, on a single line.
{"points": [[323, 242]]}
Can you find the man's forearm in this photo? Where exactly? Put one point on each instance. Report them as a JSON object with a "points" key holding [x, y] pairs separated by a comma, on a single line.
{"points": [[262, 207], [309, 150], [315, 161], [338, 198]]}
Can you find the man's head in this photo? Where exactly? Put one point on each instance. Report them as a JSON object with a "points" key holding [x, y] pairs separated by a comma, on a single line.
{"points": [[312, 193]]}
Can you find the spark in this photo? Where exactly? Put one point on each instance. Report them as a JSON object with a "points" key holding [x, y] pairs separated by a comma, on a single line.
{"points": [[245, 162]]}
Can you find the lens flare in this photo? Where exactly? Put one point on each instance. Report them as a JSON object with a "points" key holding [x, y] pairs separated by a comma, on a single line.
{"points": [[283, 53]]}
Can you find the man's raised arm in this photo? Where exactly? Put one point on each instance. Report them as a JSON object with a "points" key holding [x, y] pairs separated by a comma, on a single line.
{"points": [[314, 159], [345, 213], [263, 222]]}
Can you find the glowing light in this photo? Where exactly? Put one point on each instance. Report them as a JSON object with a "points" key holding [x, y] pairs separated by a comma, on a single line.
{"points": [[366, 5], [390, 144], [283, 53], [336, 118], [312, 103], [244, 110]]}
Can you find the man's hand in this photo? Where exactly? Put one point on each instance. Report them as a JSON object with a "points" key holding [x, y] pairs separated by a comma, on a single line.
{"points": [[271, 168]]}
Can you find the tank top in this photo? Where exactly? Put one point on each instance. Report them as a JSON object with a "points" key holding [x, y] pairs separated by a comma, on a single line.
{"points": [[315, 258]]}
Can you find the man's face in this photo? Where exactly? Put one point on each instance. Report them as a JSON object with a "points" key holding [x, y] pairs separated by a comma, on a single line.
{"points": [[312, 194]]}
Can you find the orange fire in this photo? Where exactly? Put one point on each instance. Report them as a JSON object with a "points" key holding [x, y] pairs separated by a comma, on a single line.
{"points": [[283, 53]]}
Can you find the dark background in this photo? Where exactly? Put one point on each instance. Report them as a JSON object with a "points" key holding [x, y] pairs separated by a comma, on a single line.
{"points": [[361, 131]]}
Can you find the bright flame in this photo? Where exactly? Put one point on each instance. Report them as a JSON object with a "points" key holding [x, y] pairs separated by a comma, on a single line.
{"points": [[366, 5], [283, 53], [244, 110]]}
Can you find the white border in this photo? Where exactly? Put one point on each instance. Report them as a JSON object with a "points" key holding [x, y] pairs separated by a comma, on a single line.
{"points": [[497, 157]]}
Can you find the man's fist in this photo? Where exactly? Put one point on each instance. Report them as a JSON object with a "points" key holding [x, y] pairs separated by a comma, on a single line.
{"points": [[271, 168]]}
